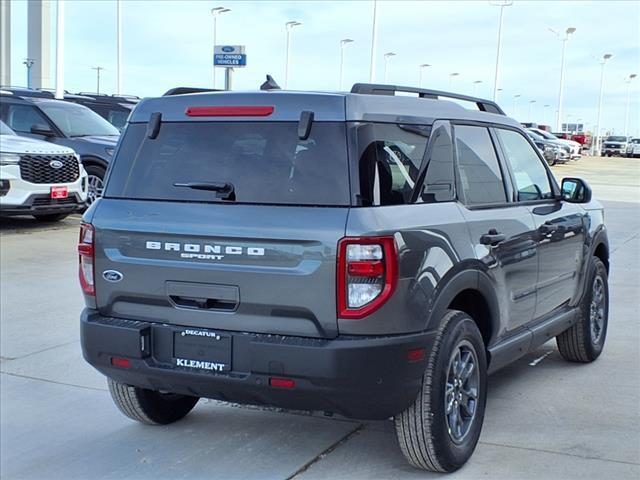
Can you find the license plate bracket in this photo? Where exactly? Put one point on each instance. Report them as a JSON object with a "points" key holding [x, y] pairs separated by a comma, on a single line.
{"points": [[59, 192], [203, 350]]}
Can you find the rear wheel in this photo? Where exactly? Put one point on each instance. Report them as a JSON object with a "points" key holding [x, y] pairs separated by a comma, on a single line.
{"points": [[148, 406], [439, 432], [95, 180], [51, 217], [584, 341]]}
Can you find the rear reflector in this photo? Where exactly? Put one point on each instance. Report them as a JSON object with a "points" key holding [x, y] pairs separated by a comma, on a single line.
{"points": [[282, 382], [416, 354], [120, 362], [241, 111]]}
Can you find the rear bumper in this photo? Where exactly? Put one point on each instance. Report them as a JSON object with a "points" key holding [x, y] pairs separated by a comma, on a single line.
{"points": [[359, 377], [42, 204]]}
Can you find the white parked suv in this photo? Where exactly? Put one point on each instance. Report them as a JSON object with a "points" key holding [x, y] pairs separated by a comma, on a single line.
{"points": [[633, 148], [39, 178]]}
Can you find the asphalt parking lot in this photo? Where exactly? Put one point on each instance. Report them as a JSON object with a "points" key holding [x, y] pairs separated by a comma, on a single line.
{"points": [[545, 418]]}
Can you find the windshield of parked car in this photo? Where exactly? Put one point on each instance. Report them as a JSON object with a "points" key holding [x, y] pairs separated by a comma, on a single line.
{"points": [[5, 130], [546, 135], [76, 120], [616, 139], [635, 140]]}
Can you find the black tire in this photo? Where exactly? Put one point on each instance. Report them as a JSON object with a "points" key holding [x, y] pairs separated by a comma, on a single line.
{"points": [[423, 430], [584, 341], [51, 217], [148, 406], [96, 182]]}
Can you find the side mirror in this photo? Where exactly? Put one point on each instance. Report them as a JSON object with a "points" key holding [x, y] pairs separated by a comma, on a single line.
{"points": [[576, 190], [42, 130]]}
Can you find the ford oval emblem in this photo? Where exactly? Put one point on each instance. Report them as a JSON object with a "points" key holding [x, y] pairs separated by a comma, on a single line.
{"points": [[56, 164], [228, 49], [112, 276]]}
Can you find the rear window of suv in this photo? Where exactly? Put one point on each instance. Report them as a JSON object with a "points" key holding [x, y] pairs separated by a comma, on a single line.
{"points": [[265, 162]]}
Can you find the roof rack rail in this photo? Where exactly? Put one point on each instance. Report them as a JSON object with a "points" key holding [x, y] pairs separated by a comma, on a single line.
{"points": [[184, 90], [377, 89]]}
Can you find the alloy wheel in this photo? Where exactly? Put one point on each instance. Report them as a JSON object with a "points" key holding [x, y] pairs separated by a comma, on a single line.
{"points": [[462, 391]]}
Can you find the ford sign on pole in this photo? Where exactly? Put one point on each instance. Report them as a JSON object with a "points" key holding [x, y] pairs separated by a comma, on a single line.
{"points": [[229, 56]]}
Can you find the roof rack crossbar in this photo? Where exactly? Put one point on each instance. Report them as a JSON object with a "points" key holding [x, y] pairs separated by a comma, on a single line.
{"points": [[378, 89], [185, 90]]}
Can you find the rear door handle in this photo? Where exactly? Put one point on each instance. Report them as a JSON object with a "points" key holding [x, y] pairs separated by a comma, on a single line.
{"points": [[492, 238]]}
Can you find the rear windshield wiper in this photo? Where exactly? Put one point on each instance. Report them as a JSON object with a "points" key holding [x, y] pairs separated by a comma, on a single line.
{"points": [[224, 191]]}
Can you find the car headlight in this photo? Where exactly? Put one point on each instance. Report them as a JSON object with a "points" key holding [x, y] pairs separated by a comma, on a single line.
{"points": [[9, 159], [109, 151]]}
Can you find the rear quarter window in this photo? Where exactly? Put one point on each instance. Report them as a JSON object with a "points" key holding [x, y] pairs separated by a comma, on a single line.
{"points": [[264, 161]]}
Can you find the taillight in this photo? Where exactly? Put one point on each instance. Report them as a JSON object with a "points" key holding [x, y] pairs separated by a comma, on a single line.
{"points": [[367, 274], [86, 258]]}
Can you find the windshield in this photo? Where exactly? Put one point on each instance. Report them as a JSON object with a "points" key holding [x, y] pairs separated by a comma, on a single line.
{"points": [[616, 139], [546, 135], [76, 120], [261, 162], [5, 130], [635, 140]]}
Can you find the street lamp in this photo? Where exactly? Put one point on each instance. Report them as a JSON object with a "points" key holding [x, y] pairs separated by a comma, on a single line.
{"points": [[290, 26], [28, 62], [515, 104], [343, 43], [475, 87], [98, 70], [422, 69], [387, 56], [374, 43], [451, 75], [215, 12], [501, 4], [544, 114], [563, 39], [626, 111], [531, 102], [596, 144]]}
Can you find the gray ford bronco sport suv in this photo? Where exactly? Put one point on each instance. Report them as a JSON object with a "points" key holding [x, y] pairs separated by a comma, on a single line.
{"points": [[363, 253]]}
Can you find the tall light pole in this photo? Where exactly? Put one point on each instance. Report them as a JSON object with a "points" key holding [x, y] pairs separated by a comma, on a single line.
{"points": [[502, 4], [60, 50], [387, 56], [290, 26], [215, 12], [596, 144], [28, 62], [626, 111], [343, 43], [98, 69], [119, 47], [515, 104], [563, 39], [422, 69], [475, 87], [544, 113], [374, 43], [531, 102], [451, 75]]}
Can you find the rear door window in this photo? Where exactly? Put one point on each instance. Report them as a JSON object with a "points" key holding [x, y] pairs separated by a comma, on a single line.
{"points": [[265, 162], [479, 179]]}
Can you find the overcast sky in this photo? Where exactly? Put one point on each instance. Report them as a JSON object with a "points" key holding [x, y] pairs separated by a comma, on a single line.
{"points": [[169, 43]]}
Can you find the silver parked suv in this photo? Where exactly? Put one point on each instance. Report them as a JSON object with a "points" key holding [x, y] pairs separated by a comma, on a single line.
{"points": [[361, 253]]}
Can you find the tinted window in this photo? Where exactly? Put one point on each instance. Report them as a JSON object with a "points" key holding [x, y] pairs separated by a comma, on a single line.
{"points": [[439, 177], [389, 161], [77, 120], [265, 162], [22, 117], [532, 182], [479, 175]]}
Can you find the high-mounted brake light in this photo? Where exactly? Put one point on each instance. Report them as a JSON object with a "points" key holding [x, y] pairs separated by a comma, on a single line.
{"points": [[86, 258], [367, 274], [239, 111]]}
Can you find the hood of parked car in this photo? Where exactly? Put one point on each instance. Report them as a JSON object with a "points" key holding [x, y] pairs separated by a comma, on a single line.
{"points": [[106, 140], [27, 145]]}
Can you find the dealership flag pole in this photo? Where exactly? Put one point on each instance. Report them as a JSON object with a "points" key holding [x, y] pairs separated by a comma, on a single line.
{"points": [[60, 49]]}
